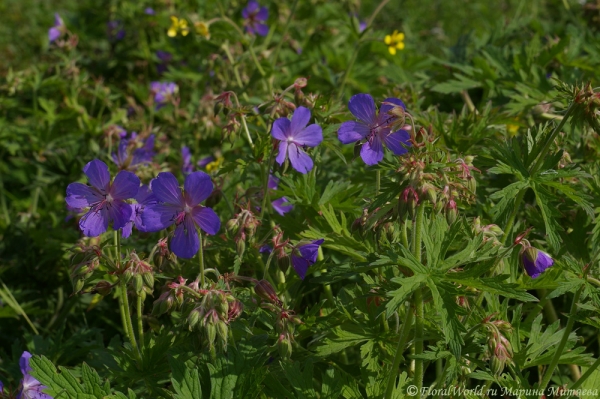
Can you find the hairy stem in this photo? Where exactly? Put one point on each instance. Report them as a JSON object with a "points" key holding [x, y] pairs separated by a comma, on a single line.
{"points": [[419, 306], [563, 341], [201, 258], [399, 350], [140, 322]]}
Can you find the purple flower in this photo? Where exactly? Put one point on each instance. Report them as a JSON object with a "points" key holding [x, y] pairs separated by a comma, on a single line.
{"points": [[165, 57], [163, 91], [265, 249], [374, 128], [304, 256], [149, 11], [255, 17], [106, 200], [186, 156], [278, 204], [534, 261], [57, 30], [294, 135], [130, 154], [362, 25], [31, 388], [182, 209], [115, 30], [144, 197], [202, 163]]}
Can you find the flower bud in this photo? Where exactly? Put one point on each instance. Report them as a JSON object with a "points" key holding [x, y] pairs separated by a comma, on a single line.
{"points": [[534, 261], [78, 285], [428, 192], [126, 276], [451, 212], [148, 279], [194, 318], [497, 365], [265, 290], [284, 345], [138, 283], [232, 226], [240, 247], [235, 310], [283, 263], [471, 184], [222, 330]]}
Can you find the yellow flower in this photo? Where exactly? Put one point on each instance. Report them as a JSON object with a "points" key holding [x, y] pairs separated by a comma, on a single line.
{"points": [[512, 129], [395, 41], [214, 165], [178, 25], [202, 29]]}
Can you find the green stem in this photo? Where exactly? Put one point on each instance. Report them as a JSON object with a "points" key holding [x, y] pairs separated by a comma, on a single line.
{"points": [[201, 258], [586, 375], [285, 30], [377, 182], [563, 341], [357, 47], [140, 322], [126, 317], [399, 350], [513, 215], [419, 306], [266, 184]]}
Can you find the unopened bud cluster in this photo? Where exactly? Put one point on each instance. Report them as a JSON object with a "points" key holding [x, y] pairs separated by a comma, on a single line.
{"points": [[139, 276], [499, 347], [243, 228]]}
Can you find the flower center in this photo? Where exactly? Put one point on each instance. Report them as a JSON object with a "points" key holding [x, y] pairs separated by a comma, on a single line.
{"points": [[290, 139]]}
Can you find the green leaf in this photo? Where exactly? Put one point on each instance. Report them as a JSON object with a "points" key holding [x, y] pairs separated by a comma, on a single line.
{"points": [[446, 305], [506, 196], [456, 86], [186, 381], [549, 214], [495, 285], [301, 380], [407, 286], [57, 382]]}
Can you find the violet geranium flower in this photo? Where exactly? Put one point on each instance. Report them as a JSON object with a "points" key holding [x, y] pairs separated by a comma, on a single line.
{"points": [[182, 209], [144, 197], [278, 204], [255, 17], [293, 135], [373, 127], [534, 261], [134, 151], [57, 30], [163, 91], [31, 388], [186, 156], [106, 200], [303, 256]]}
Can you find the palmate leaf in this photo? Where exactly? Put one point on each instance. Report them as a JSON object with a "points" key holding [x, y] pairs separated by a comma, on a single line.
{"points": [[301, 380], [445, 303], [344, 336], [494, 285], [549, 214], [507, 196], [407, 286], [186, 381], [456, 85]]}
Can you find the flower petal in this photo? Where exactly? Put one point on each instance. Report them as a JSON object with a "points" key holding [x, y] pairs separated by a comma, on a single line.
{"points": [[311, 136], [98, 175], [207, 219], [352, 131], [145, 196], [53, 34], [125, 186], [198, 187], [310, 251], [299, 159], [166, 188], [24, 363], [95, 222], [300, 266], [280, 207], [273, 182], [300, 119], [362, 106], [157, 217], [120, 213], [261, 29], [372, 152], [185, 242], [282, 152], [81, 196], [281, 129], [262, 14], [397, 142], [386, 105]]}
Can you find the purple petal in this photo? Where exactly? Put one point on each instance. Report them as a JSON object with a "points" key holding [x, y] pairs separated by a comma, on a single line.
{"points": [[282, 152], [250, 9], [58, 20], [166, 188], [299, 159], [362, 106], [98, 175], [261, 29], [312, 136], [149, 11], [310, 251], [280, 208], [262, 14], [95, 222], [125, 186], [352, 131], [157, 217], [185, 242], [24, 362], [281, 129], [207, 219], [397, 142], [145, 196], [198, 187], [265, 249], [53, 34], [300, 119], [127, 229], [300, 266], [273, 182], [81, 196], [120, 213], [372, 152]]}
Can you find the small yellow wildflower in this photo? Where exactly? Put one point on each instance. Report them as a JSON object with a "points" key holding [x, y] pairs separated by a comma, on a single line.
{"points": [[202, 29], [395, 41], [178, 25], [214, 165], [512, 128]]}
